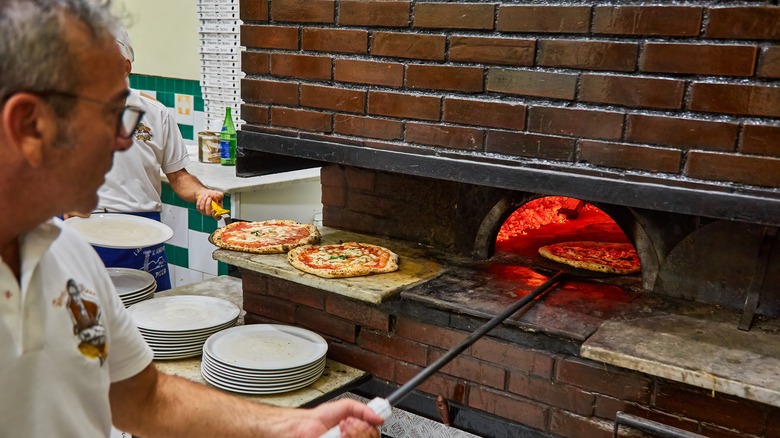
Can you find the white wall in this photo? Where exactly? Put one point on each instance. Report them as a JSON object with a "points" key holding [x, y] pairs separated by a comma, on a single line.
{"points": [[164, 34]]}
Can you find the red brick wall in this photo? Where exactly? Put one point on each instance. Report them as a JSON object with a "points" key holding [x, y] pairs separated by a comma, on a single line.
{"points": [[552, 392], [687, 90], [444, 214]]}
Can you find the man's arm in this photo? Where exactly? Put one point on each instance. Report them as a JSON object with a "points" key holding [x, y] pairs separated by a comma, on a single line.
{"points": [[152, 403], [190, 189]]}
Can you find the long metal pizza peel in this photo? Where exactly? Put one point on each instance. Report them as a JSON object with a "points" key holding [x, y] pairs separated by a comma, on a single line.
{"points": [[560, 271], [383, 406]]}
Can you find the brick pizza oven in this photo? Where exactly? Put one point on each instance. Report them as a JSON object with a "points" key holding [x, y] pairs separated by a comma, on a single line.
{"points": [[434, 121]]}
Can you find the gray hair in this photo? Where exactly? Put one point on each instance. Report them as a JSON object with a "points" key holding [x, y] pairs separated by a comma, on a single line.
{"points": [[123, 40], [34, 51]]}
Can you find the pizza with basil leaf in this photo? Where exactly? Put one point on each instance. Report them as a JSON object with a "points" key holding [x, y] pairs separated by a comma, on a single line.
{"points": [[265, 237], [350, 259]]}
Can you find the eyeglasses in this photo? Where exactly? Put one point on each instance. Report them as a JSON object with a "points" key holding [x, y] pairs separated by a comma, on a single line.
{"points": [[127, 122]]}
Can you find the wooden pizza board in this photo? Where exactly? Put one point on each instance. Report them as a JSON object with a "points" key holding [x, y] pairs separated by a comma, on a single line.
{"points": [[413, 268]]}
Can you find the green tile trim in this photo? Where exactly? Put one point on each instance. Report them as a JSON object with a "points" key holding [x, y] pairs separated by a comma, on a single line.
{"points": [[187, 131], [170, 252], [166, 85], [194, 220], [222, 268], [168, 196], [182, 257], [177, 255], [167, 99], [209, 224]]}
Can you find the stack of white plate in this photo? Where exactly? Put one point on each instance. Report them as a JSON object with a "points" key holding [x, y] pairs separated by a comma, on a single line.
{"points": [[133, 285], [263, 358], [177, 326]]}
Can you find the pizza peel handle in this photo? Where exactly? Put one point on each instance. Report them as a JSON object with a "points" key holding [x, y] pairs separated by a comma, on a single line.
{"points": [[399, 394], [379, 405]]}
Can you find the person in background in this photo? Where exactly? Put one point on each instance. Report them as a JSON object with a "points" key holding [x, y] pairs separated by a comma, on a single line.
{"points": [[133, 185], [73, 362]]}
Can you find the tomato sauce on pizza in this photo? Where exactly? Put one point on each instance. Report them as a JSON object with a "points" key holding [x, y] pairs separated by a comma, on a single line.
{"points": [[265, 237], [609, 257], [349, 259]]}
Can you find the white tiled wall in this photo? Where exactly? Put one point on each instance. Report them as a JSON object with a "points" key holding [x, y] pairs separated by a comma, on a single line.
{"points": [[200, 250], [176, 218]]}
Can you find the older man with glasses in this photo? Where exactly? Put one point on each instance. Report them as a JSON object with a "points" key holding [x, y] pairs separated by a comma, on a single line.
{"points": [[72, 361]]}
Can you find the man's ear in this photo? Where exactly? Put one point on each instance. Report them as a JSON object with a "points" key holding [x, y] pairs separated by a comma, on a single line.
{"points": [[27, 121]]}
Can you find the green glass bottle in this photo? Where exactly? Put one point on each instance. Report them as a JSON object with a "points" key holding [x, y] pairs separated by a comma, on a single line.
{"points": [[227, 141]]}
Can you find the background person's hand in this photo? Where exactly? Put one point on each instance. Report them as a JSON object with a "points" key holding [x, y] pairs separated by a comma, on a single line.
{"points": [[203, 204]]}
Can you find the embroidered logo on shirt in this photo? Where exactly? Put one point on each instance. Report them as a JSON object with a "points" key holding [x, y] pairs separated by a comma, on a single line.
{"points": [[85, 314], [144, 132]]}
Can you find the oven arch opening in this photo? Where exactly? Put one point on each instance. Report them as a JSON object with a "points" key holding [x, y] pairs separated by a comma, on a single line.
{"points": [[517, 226]]}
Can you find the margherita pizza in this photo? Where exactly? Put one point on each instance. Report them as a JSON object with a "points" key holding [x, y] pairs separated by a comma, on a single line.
{"points": [[612, 258], [265, 237], [351, 259]]}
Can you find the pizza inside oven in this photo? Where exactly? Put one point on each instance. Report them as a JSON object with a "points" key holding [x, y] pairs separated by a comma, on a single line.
{"points": [[607, 257]]}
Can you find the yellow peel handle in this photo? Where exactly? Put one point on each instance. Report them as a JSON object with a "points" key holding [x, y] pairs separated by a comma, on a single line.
{"points": [[218, 210]]}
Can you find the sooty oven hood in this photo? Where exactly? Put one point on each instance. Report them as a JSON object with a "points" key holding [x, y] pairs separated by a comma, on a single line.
{"points": [[630, 189]]}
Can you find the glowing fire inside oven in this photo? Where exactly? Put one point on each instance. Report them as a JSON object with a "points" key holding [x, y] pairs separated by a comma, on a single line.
{"points": [[537, 213]]}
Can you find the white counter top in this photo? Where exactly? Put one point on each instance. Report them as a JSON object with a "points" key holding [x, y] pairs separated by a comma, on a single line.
{"points": [[224, 179]]}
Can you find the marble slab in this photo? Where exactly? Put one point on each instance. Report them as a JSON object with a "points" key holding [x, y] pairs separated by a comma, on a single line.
{"points": [[697, 345], [414, 268], [223, 178], [336, 379]]}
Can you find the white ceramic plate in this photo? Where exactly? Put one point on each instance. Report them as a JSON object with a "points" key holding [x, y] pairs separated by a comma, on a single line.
{"points": [[188, 334], [128, 281], [266, 346], [229, 369], [134, 298], [177, 355], [114, 230], [250, 389], [183, 313], [131, 301], [262, 379]]}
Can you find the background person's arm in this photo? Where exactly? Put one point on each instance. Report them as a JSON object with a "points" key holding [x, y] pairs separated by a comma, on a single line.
{"points": [[190, 189]]}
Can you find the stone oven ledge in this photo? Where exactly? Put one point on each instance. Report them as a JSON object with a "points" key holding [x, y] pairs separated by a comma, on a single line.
{"points": [[694, 344], [414, 268]]}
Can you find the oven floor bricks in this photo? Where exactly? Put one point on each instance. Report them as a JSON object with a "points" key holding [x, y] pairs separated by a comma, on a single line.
{"points": [[547, 390]]}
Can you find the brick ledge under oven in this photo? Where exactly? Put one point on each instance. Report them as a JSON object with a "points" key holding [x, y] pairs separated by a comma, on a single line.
{"points": [[678, 340]]}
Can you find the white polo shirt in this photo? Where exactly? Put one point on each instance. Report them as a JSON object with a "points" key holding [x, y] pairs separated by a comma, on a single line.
{"points": [[133, 184], [55, 373]]}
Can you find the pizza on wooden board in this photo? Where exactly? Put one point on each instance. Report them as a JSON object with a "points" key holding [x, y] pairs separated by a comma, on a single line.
{"points": [[350, 259], [265, 237], [608, 257]]}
